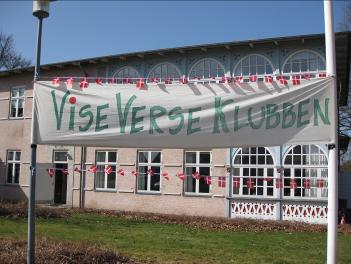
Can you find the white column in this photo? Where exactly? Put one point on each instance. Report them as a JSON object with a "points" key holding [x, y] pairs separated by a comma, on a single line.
{"points": [[333, 150]]}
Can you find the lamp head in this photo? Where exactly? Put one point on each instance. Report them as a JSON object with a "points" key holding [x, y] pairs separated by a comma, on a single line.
{"points": [[41, 8]]}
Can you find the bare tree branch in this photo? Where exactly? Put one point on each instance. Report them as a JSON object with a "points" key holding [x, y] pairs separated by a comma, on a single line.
{"points": [[9, 58]]}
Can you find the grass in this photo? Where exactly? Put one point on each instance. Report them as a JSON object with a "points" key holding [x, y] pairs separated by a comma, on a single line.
{"points": [[173, 243]]}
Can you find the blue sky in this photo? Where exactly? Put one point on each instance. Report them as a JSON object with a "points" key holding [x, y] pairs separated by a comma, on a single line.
{"points": [[82, 29]]}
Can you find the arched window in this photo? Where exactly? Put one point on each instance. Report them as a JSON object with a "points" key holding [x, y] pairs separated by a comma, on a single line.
{"points": [[127, 73], [163, 71], [206, 69], [253, 65], [253, 172], [307, 167], [303, 62]]}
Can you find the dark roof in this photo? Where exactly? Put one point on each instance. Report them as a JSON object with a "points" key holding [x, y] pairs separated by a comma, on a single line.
{"points": [[342, 43]]}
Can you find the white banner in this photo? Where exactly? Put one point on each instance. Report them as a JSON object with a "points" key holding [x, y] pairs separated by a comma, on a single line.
{"points": [[184, 116]]}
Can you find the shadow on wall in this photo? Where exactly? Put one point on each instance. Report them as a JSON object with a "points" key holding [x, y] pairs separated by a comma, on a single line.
{"points": [[44, 185]]}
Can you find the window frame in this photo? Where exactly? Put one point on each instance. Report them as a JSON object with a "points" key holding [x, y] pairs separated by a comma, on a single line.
{"points": [[319, 173], [17, 98], [106, 163], [202, 61], [132, 79], [265, 167], [14, 162], [197, 165], [149, 164], [162, 79], [260, 77], [290, 57]]}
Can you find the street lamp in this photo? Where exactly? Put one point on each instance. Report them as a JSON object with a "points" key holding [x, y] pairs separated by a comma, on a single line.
{"points": [[41, 11]]}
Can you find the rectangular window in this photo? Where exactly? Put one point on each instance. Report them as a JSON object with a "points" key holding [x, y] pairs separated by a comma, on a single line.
{"points": [[17, 102], [103, 180], [13, 166], [149, 169], [197, 162]]}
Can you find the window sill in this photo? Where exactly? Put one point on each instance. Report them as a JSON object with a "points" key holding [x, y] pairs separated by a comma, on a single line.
{"points": [[204, 195], [106, 190], [16, 118], [148, 192], [11, 184]]}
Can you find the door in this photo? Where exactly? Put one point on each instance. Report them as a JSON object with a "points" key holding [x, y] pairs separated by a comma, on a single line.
{"points": [[60, 165]]}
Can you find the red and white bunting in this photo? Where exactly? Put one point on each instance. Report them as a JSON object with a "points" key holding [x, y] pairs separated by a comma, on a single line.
{"points": [[112, 81], [307, 76], [84, 83], [282, 80], [293, 184], [135, 173], [322, 75], [127, 80], [236, 183], [65, 172], [98, 81], [140, 83], [56, 81], [239, 79], [307, 184], [250, 183], [150, 172], [76, 169], [165, 175], [183, 80], [50, 171], [208, 180], [221, 181], [279, 184], [168, 80], [320, 183], [69, 83], [121, 172], [268, 179], [225, 79], [196, 175], [180, 175], [253, 78], [108, 169], [296, 80], [92, 169], [268, 79]]}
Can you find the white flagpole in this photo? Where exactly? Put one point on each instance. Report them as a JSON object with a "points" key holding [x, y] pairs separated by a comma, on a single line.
{"points": [[333, 149]]}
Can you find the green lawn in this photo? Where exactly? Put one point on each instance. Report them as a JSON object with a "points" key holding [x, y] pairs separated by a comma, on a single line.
{"points": [[175, 243]]}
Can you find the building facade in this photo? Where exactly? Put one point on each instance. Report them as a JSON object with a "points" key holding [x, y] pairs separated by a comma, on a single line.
{"points": [[303, 169]]}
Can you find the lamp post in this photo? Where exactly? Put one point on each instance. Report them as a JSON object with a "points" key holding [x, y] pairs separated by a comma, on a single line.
{"points": [[41, 11]]}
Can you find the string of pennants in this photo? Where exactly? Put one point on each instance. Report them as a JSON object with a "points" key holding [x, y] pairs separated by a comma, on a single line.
{"points": [[141, 82], [250, 183]]}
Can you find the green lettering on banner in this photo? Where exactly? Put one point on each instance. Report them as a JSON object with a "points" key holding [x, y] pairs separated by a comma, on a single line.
{"points": [[259, 124], [288, 112], [173, 114], [71, 117], [100, 117], [135, 120], [301, 113], [219, 117], [156, 112], [237, 124], [83, 114], [271, 111], [59, 113], [192, 121], [317, 110], [123, 114]]}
